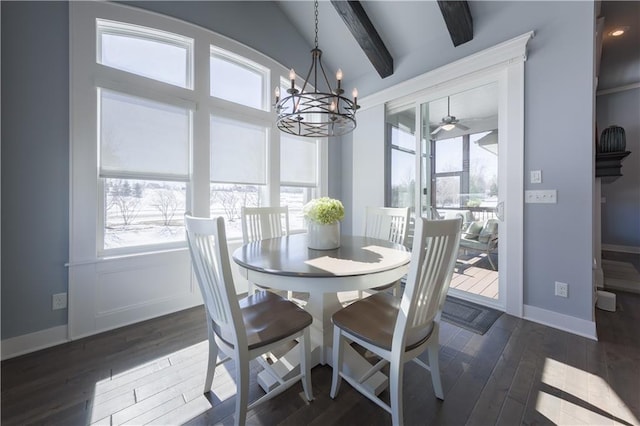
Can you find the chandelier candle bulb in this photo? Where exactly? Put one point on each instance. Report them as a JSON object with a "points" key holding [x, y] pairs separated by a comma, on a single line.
{"points": [[339, 78], [292, 77], [355, 98], [277, 93]]}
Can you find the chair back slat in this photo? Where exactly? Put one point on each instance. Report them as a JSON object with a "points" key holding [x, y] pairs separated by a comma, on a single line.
{"points": [[210, 260], [259, 223], [435, 249], [387, 223]]}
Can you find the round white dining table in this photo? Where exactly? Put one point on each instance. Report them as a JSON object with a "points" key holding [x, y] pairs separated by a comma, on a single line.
{"points": [[286, 263]]}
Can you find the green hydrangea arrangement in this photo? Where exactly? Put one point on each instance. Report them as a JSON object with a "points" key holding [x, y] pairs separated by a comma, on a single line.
{"points": [[324, 210]]}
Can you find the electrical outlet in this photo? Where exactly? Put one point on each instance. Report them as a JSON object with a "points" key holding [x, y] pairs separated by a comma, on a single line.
{"points": [[59, 301], [562, 289]]}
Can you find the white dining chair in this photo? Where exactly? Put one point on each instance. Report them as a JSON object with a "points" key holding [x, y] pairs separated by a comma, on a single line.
{"points": [[243, 329], [399, 330], [387, 223], [260, 223]]}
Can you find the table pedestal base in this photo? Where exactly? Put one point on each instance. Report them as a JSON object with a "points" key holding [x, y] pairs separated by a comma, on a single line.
{"points": [[355, 365], [321, 306]]}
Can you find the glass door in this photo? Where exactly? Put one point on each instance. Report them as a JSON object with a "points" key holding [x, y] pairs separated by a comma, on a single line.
{"points": [[400, 158], [459, 178]]}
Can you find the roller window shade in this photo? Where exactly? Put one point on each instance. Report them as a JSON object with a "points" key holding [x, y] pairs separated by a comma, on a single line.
{"points": [[238, 152], [298, 161], [143, 138]]}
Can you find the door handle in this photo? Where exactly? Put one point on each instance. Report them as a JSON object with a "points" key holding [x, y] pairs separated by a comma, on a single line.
{"points": [[500, 211]]}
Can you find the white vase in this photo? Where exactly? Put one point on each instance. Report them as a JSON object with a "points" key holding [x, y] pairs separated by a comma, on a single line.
{"points": [[323, 237]]}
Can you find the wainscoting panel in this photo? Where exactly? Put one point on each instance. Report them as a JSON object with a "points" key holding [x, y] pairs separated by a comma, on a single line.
{"points": [[116, 292]]}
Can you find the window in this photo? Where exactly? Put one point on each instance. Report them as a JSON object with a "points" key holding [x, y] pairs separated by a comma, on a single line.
{"points": [[483, 170], [147, 52], [144, 156], [142, 137], [298, 176], [149, 146], [448, 155], [237, 79], [139, 212], [238, 169], [144, 144], [403, 168], [466, 171]]}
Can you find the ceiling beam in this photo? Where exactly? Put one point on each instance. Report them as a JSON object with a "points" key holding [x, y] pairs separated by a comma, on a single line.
{"points": [[458, 18], [364, 32]]}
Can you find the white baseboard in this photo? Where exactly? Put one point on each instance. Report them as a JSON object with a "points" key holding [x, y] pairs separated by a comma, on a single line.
{"points": [[562, 322], [622, 249], [32, 342]]}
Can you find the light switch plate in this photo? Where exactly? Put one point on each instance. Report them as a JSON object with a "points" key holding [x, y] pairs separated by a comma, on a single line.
{"points": [[543, 196], [536, 176]]}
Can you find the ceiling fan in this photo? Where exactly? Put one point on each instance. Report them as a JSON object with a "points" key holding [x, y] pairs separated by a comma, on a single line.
{"points": [[449, 122]]}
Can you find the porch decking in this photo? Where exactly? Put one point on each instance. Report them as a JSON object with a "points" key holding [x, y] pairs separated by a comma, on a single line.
{"points": [[473, 274]]}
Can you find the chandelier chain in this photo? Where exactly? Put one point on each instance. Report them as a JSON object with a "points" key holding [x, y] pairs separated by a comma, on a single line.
{"points": [[316, 6]]}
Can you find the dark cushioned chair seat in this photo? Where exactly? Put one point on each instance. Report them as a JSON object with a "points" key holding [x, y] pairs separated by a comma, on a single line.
{"points": [[373, 319], [269, 318]]}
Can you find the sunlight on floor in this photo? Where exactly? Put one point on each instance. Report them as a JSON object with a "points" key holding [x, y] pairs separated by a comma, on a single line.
{"points": [[582, 397], [167, 390]]}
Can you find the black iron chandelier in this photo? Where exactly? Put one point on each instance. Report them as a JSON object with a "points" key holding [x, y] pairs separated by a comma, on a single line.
{"points": [[312, 112]]}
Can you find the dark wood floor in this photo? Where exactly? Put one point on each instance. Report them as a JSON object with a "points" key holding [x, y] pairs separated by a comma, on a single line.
{"points": [[517, 373]]}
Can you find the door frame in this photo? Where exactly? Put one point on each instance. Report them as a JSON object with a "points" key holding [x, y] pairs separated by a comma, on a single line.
{"points": [[503, 63]]}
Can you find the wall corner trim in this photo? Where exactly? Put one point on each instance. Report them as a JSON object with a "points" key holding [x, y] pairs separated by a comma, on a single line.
{"points": [[27, 343], [578, 326]]}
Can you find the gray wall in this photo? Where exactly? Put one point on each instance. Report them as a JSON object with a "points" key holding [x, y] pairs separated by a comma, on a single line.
{"points": [[35, 136], [35, 164], [558, 135], [621, 211]]}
